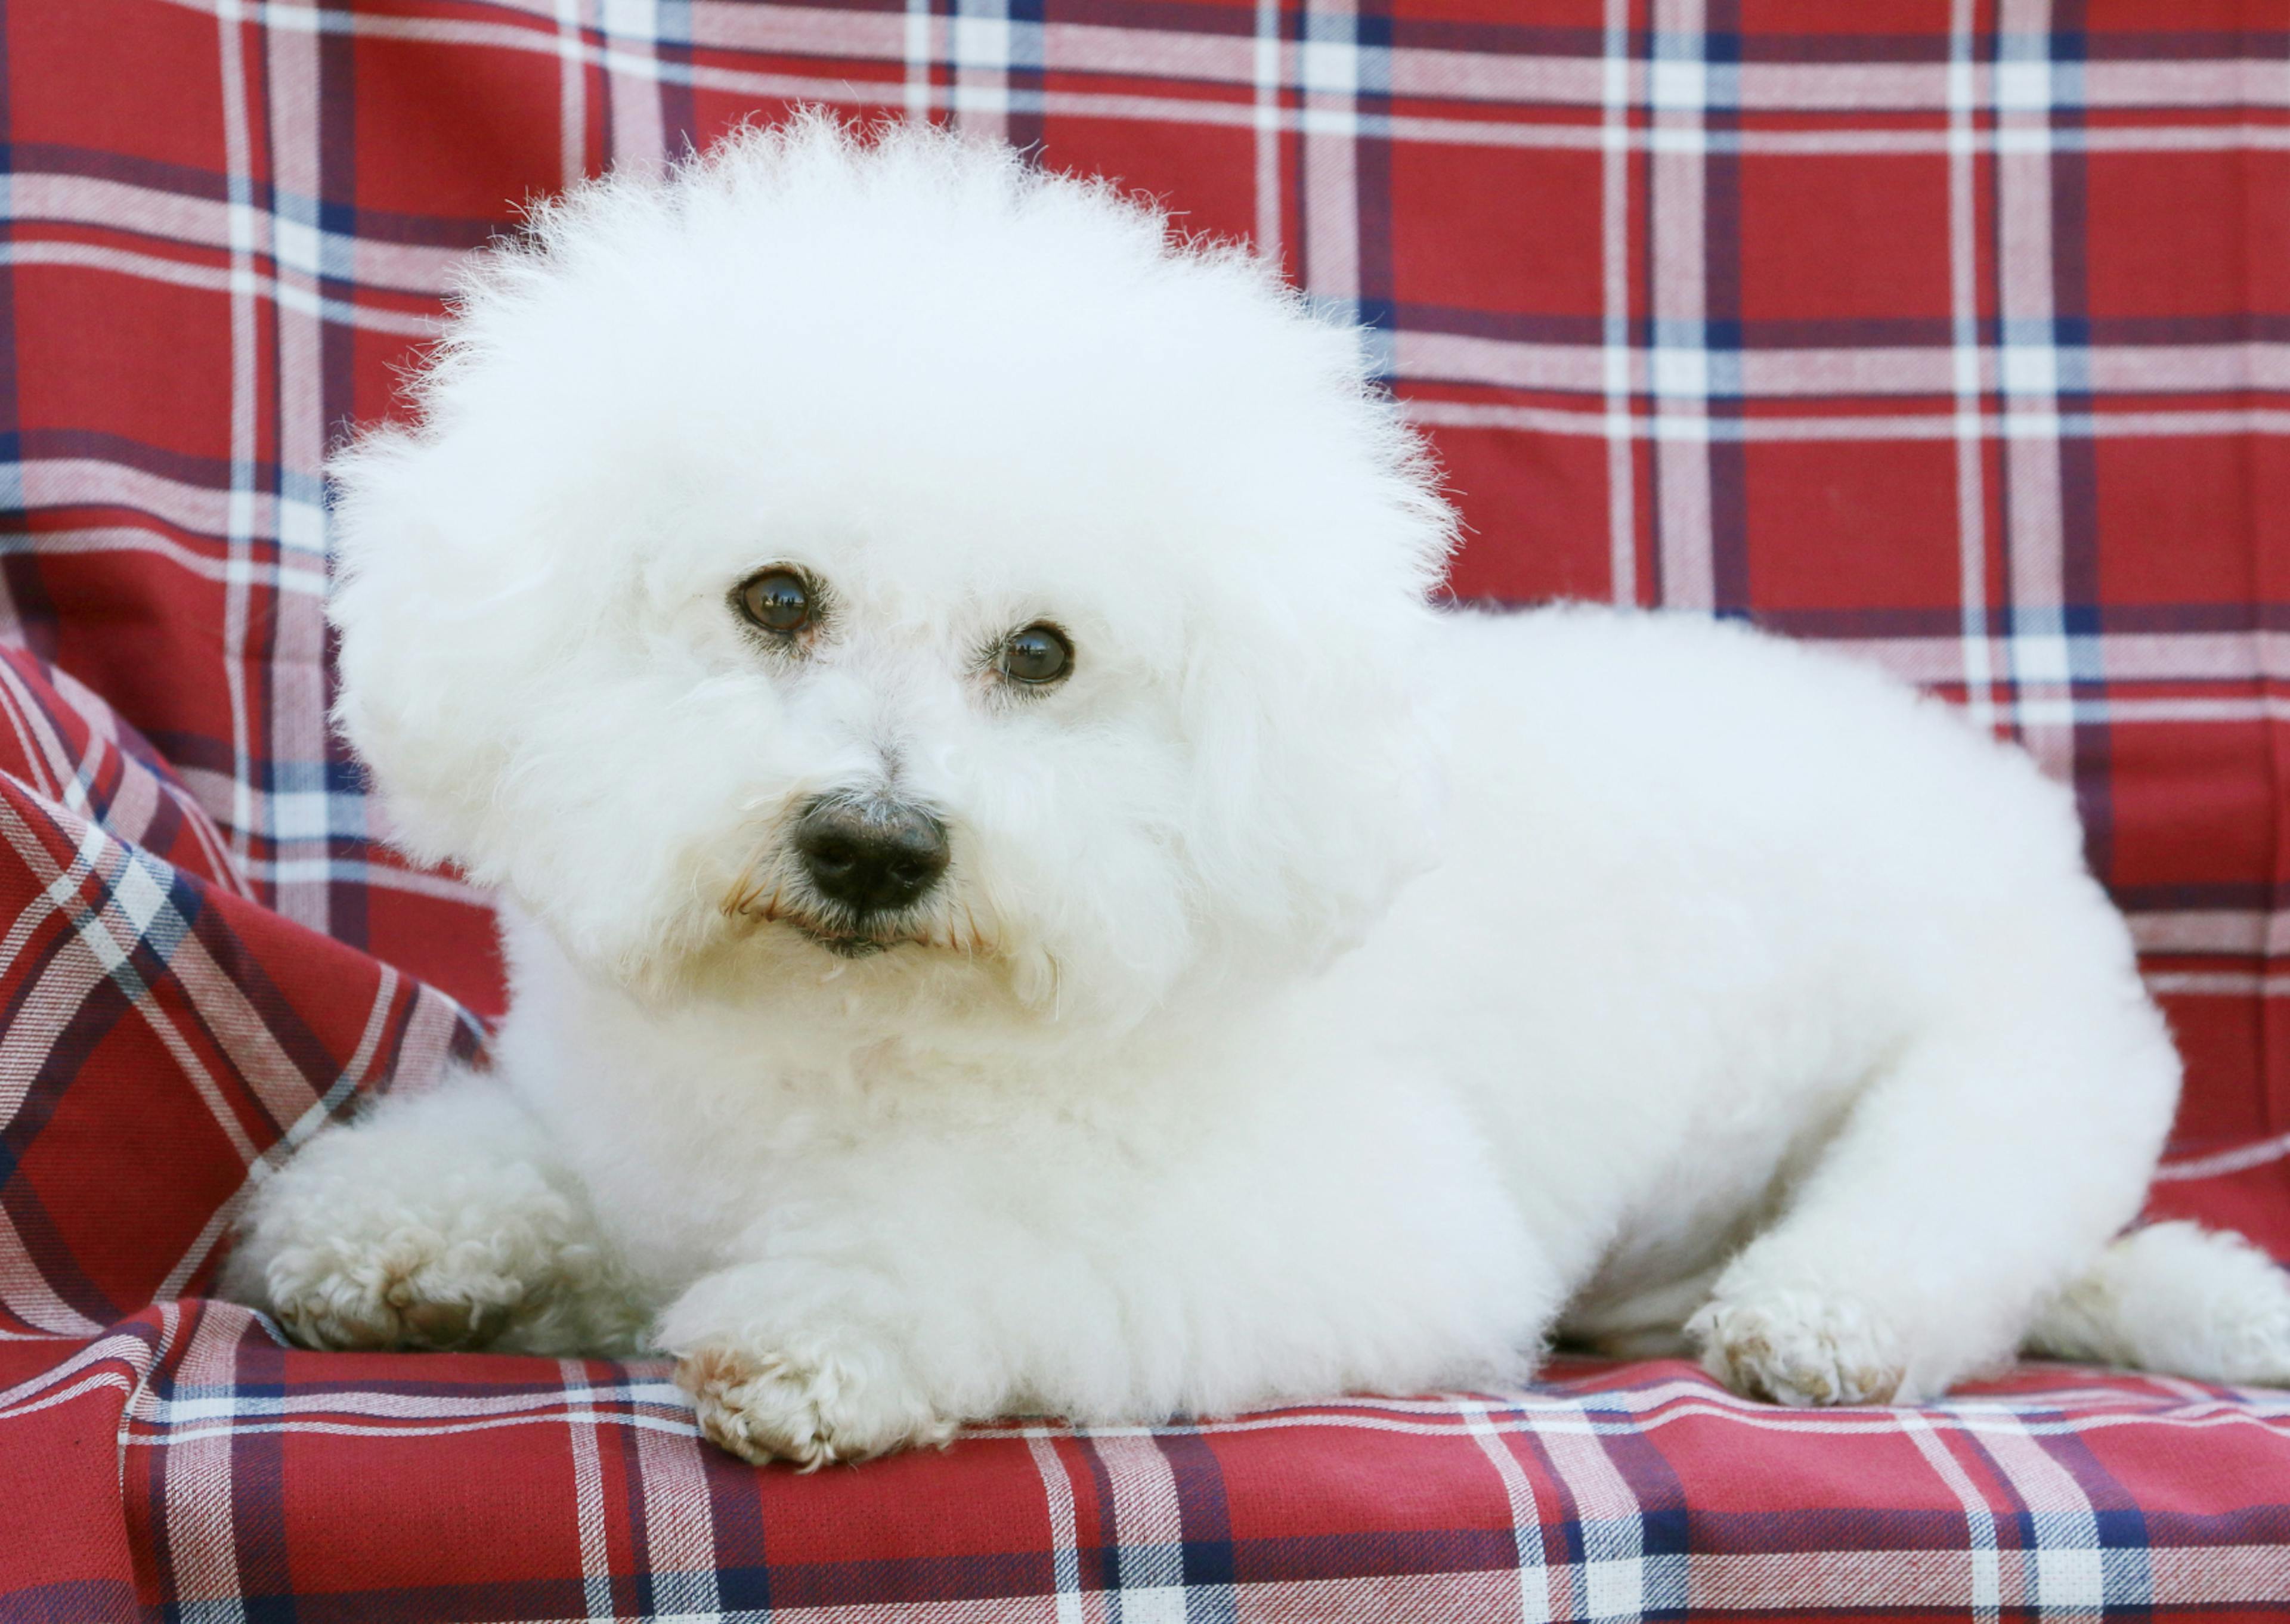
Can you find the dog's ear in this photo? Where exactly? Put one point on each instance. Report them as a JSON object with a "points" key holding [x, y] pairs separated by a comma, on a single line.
{"points": [[1308, 701], [485, 683], [436, 640]]}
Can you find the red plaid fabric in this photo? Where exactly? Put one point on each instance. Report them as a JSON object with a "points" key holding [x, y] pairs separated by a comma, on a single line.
{"points": [[1955, 332], [257, 1482]]}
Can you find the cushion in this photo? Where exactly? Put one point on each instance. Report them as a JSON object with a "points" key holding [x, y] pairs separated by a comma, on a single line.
{"points": [[243, 1479]]}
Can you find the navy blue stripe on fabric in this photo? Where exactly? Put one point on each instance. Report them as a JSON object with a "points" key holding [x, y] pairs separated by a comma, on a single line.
{"points": [[347, 914], [102, 1009], [2118, 1523], [679, 118], [1721, 336], [742, 1552], [2080, 589], [319, 1066], [1665, 1520], [1377, 294], [1025, 125], [261, 1548], [1205, 1522], [73, 1601]]}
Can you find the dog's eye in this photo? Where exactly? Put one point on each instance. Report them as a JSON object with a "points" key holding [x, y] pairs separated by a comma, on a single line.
{"points": [[777, 600], [1038, 654]]}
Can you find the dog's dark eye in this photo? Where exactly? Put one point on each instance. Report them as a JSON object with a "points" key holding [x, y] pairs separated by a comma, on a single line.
{"points": [[777, 600], [1036, 655]]}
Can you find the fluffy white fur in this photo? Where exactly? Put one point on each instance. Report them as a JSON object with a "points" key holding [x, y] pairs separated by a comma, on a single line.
{"points": [[1326, 994]]}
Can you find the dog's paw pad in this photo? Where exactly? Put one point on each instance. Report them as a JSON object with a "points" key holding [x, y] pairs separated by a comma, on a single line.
{"points": [[1799, 1349], [812, 1412]]}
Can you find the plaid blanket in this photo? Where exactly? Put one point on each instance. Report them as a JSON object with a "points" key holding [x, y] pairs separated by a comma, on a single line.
{"points": [[1958, 333]]}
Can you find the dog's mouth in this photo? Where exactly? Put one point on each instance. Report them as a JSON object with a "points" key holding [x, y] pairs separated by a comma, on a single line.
{"points": [[850, 936], [841, 933]]}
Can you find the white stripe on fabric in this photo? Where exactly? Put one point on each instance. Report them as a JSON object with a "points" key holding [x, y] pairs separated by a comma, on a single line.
{"points": [[197, 1504], [2106, 423], [1964, 316], [572, 93], [1327, 64], [1685, 375], [1149, 1523], [918, 44], [1680, 366], [1065, 1554], [2243, 1157], [116, 204], [241, 281], [239, 528], [580, 1418], [1270, 70], [982, 45], [2248, 1408], [634, 84], [297, 737], [679, 1525], [2035, 370], [2068, 1573], [1535, 1596], [1984, 1569], [1611, 1581], [1616, 357]]}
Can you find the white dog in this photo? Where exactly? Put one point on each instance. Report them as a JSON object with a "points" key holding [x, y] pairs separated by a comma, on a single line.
{"points": [[1017, 904]]}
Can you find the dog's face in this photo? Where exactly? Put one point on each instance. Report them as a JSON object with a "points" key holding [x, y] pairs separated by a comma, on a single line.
{"points": [[876, 563]]}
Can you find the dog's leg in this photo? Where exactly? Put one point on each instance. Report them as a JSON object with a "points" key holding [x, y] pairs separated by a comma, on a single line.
{"points": [[441, 1220], [1287, 1253], [1978, 1173]]}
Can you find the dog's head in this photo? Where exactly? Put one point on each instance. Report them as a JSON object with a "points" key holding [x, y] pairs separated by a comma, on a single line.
{"points": [[870, 554]]}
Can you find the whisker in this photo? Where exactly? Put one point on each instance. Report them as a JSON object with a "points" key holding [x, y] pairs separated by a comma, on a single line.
{"points": [[736, 900]]}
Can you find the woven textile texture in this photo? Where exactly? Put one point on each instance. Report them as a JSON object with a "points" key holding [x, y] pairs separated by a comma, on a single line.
{"points": [[1953, 331]]}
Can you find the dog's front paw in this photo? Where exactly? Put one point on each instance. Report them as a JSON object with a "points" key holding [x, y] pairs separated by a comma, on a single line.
{"points": [[1796, 1347], [410, 1288], [810, 1408], [346, 1261]]}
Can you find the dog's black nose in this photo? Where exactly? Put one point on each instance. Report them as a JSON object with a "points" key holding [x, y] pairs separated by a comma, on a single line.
{"points": [[871, 856]]}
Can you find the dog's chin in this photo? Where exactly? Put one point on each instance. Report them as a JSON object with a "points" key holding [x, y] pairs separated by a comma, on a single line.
{"points": [[847, 944]]}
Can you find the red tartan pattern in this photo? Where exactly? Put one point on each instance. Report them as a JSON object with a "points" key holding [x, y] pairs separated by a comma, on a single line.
{"points": [[1958, 334], [162, 1036], [349, 1486]]}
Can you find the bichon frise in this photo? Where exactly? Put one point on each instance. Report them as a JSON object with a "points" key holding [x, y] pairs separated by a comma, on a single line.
{"points": [[1017, 904]]}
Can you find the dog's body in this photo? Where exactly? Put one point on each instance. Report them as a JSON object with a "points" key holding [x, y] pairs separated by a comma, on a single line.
{"points": [[1754, 1003]]}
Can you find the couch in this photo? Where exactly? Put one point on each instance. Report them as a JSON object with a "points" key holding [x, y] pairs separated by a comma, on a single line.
{"points": [[1954, 335]]}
